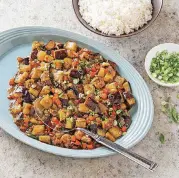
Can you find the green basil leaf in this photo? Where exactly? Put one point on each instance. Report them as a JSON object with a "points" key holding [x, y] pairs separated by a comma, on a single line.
{"points": [[162, 138]]}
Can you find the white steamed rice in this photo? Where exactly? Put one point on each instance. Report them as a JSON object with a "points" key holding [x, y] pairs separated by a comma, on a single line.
{"points": [[116, 16]]}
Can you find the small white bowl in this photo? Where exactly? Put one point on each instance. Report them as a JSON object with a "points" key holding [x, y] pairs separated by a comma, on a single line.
{"points": [[170, 47]]}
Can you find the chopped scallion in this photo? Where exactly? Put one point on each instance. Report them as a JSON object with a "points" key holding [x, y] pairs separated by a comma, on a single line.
{"points": [[165, 67]]}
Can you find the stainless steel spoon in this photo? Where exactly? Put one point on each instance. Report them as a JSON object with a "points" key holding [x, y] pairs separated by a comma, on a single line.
{"points": [[150, 165]]}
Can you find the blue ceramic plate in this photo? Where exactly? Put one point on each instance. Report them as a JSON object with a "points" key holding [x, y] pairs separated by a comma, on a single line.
{"points": [[17, 42]]}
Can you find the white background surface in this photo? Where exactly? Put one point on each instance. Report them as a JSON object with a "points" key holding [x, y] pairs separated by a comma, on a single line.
{"points": [[21, 161]]}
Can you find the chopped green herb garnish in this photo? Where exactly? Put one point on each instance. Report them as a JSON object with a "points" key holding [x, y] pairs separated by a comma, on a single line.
{"points": [[162, 138], [76, 80], [124, 133], [120, 125], [118, 111], [92, 113], [171, 111], [61, 94], [110, 109], [97, 92], [82, 63], [165, 67]]}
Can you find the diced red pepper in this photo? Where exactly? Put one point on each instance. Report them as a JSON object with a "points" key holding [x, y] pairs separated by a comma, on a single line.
{"points": [[92, 74], [12, 81], [75, 63], [55, 120], [115, 107], [91, 146], [77, 143], [93, 69], [73, 138], [84, 145], [124, 128], [105, 91]]}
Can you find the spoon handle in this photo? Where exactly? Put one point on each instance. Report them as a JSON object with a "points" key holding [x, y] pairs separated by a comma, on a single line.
{"points": [[150, 165]]}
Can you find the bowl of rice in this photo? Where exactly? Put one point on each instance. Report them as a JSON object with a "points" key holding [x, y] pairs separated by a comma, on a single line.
{"points": [[117, 18]]}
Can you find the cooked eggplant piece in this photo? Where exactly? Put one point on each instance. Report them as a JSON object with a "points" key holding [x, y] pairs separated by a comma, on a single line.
{"points": [[62, 114], [16, 109], [79, 134], [86, 139], [69, 123], [93, 128], [123, 106], [45, 139], [41, 55], [24, 68], [79, 89], [45, 90], [115, 131], [71, 46], [38, 107], [21, 78], [106, 124], [81, 122], [92, 104], [115, 98], [34, 54], [58, 64], [127, 87], [48, 58], [111, 87], [103, 108], [46, 102], [83, 108], [101, 132], [71, 94], [45, 76], [110, 74], [59, 45], [89, 89], [26, 97], [64, 102], [75, 73], [101, 72], [76, 89], [111, 71], [110, 137], [128, 121], [113, 64], [59, 54], [129, 98], [108, 77], [29, 83], [26, 108], [65, 139], [67, 63], [26, 61], [119, 80], [34, 121], [50, 45], [38, 130], [34, 92], [98, 82], [36, 73]]}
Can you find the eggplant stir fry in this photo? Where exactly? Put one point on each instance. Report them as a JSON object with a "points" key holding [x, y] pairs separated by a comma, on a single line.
{"points": [[71, 87]]}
